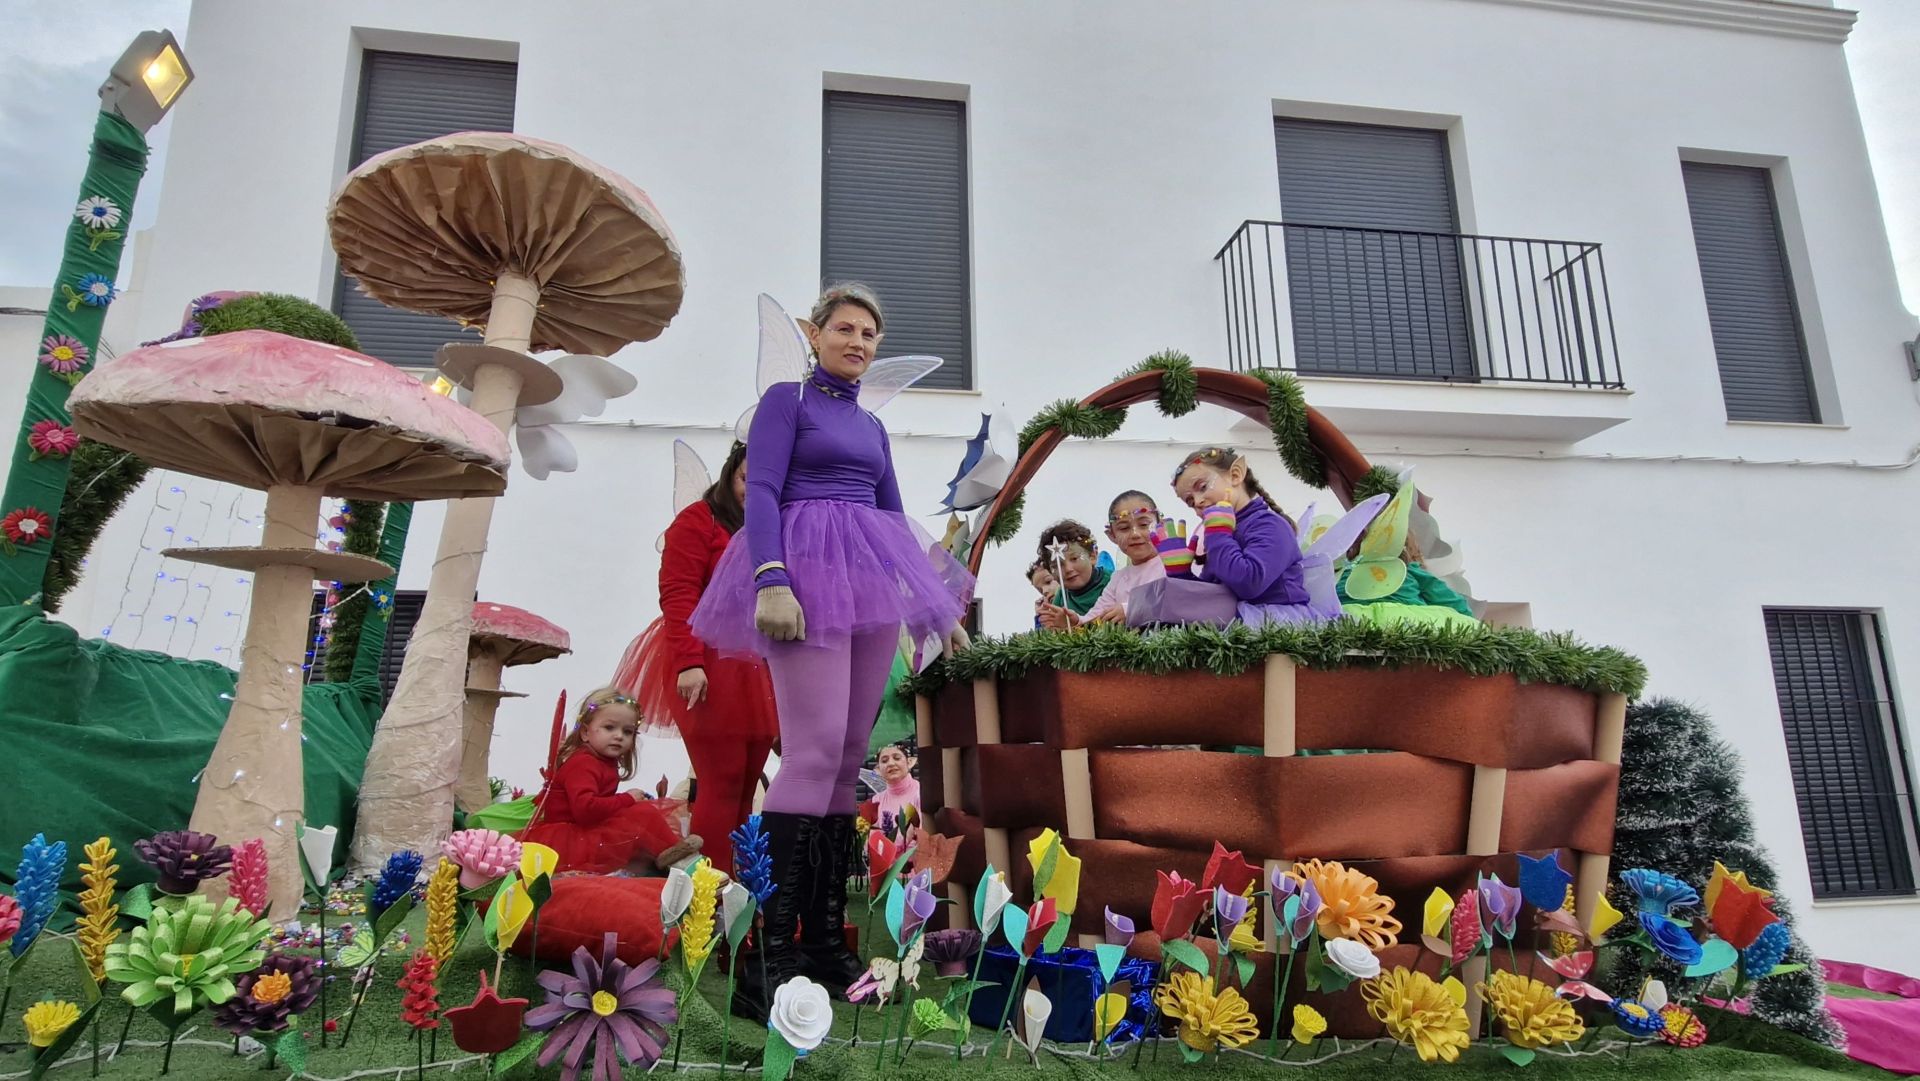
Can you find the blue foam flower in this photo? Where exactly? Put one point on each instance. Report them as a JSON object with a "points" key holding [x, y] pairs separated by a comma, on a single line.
{"points": [[37, 888], [97, 290], [1659, 893], [1767, 951], [1671, 939], [751, 863], [1635, 1019], [1543, 882], [397, 880]]}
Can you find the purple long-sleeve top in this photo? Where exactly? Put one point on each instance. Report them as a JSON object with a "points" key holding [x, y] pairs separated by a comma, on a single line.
{"points": [[814, 445], [1259, 560]]}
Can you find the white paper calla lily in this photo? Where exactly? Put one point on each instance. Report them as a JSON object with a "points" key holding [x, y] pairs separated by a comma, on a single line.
{"points": [[675, 896], [316, 850]]}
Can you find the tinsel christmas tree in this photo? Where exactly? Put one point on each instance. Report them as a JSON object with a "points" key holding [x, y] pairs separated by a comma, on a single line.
{"points": [[1681, 808]]}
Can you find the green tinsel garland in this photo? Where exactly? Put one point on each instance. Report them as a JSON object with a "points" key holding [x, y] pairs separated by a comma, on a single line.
{"points": [[365, 518], [1532, 656], [1375, 481]]}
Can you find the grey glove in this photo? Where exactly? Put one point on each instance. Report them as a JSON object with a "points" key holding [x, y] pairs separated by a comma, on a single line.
{"points": [[957, 640], [778, 616]]}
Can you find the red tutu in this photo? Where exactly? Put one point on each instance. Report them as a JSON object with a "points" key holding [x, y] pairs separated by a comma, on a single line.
{"points": [[739, 702], [594, 827]]}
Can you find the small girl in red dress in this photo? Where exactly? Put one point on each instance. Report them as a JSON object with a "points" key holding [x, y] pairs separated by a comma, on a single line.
{"points": [[582, 814]]}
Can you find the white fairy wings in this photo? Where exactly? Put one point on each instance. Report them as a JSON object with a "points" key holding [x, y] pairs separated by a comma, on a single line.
{"points": [[784, 359]]}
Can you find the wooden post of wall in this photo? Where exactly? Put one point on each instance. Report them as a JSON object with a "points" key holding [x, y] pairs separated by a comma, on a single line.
{"points": [[1590, 880], [1279, 713], [986, 724], [960, 912], [1076, 780], [1483, 839]]}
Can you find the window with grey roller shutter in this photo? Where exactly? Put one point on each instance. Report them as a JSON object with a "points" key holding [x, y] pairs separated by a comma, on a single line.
{"points": [[1844, 753], [894, 216], [405, 98], [1390, 303], [1757, 338]]}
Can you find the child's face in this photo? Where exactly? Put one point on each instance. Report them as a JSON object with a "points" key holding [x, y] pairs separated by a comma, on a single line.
{"points": [[610, 730], [1043, 582], [894, 765], [1201, 486], [1077, 564], [1131, 528]]}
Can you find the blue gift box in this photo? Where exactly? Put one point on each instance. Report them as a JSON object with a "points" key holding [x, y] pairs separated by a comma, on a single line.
{"points": [[1071, 978]]}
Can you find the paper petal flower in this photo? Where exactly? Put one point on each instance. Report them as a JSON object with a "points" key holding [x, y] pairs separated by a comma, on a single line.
{"points": [[248, 879], [52, 439], [537, 859], [802, 1013], [316, 850], [1040, 919], [1229, 908], [1532, 1015], [398, 876], [1466, 925], [1352, 905], [63, 354], [1635, 1019], [1719, 879], [10, 915], [1670, 938], [482, 855], [1657, 892], [675, 896], [1682, 1027], [1209, 1019], [1740, 913], [1353, 958], [99, 923], [26, 525], [45, 1021], [752, 864], [1177, 903], [443, 907], [489, 1024], [187, 954], [920, 905], [1118, 930], [268, 998], [698, 929], [96, 290], [1438, 914], [949, 951], [1308, 1024], [605, 1003], [36, 886], [1766, 953], [516, 907], [1064, 886], [1229, 869], [1543, 882], [1605, 918], [97, 212], [1503, 905], [935, 853], [1418, 1011]]}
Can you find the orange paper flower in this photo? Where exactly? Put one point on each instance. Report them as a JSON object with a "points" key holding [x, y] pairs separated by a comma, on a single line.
{"points": [[1351, 905], [932, 852], [1740, 913]]}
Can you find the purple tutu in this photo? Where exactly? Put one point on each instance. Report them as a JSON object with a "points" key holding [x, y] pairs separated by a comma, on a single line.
{"points": [[854, 569]]}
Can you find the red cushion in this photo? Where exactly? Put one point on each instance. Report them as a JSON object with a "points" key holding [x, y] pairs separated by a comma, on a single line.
{"points": [[584, 908]]}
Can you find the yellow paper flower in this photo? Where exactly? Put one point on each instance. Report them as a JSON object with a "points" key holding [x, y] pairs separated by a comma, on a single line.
{"points": [[1108, 1011], [696, 927], [1439, 914], [1534, 1016], [1064, 886], [1208, 1019], [1721, 876], [99, 917], [1418, 1011], [1564, 943], [1244, 940], [515, 908], [1307, 1024], [1351, 905], [537, 859], [443, 902], [45, 1021], [1604, 918]]}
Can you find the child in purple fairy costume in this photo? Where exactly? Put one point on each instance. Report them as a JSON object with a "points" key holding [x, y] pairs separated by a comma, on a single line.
{"points": [[1244, 565], [828, 574]]}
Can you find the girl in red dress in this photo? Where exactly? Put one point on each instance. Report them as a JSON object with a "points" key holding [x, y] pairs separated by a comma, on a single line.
{"points": [[722, 707], [582, 814]]}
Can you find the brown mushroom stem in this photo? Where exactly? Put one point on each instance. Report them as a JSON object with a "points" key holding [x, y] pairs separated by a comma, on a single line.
{"points": [[253, 786], [483, 675], [407, 792]]}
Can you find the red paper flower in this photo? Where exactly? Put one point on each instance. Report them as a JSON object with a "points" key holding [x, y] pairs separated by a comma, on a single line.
{"points": [[1466, 925], [882, 854], [52, 439], [1177, 902], [1228, 869], [1683, 1027], [1740, 913], [26, 525], [489, 1024], [1040, 919], [421, 1006]]}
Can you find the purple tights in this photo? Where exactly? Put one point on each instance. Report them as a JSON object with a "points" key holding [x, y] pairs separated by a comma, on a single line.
{"points": [[828, 698]]}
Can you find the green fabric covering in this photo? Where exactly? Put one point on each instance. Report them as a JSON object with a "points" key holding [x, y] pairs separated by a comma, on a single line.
{"points": [[896, 721], [118, 157], [106, 740]]}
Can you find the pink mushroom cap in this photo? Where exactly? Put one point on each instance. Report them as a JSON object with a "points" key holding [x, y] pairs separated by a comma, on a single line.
{"points": [[519, 636]]}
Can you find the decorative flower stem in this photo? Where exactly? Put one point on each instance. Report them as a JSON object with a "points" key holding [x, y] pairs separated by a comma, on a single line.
{"points": [[1153, 1015], [124, 1029], [1280, 985], [326, 976], [886, 1028], [1013, 991], [906, 1018], [966, 1012], [726, 1028]]}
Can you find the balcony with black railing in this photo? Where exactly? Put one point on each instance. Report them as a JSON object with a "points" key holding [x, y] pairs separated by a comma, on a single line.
{"points": [[1506, 314]]}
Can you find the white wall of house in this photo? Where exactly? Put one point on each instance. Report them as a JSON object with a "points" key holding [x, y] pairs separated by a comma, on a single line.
{"points": [[1113, 149]]}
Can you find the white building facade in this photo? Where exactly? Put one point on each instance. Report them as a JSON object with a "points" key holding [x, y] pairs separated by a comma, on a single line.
{"points": [[1611, 273]]}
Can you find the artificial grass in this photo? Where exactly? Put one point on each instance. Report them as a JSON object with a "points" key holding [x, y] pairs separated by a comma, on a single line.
{"points": [[1742, 1049]]}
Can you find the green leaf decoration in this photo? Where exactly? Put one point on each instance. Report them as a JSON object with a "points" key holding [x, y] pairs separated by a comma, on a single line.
{"points": [[358, 953], [1519, 1056], [1189, 1053], [1013, 925], [89, 990], [1322, 976], [1109, 956], [491, 926], [957, 994], [1716, 956], [291, 1051], [540, 890], [1245, 965], [1057, 935], [1043, 875], [777, 1061], [52, 1053], [513, 1056], [395, 914], [1784, 970], [1182, 952], [894, 904], [742, 923]]}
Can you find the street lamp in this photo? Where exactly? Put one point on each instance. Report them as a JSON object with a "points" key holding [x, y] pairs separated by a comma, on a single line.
{"points": [[146, 80]]}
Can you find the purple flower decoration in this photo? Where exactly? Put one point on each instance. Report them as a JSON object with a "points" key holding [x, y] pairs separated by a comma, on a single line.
{"points": [[1543, 882], [920, 903], [619, 1010], [1285, 889], [1119, 930], [1503, 905], [269, 1009], [1228, 908], [183, 859], [949, 951]]}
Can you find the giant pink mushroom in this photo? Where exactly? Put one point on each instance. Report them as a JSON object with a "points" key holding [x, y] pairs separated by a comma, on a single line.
{"points": [[503, 636], [546, 250], [300, 419]]}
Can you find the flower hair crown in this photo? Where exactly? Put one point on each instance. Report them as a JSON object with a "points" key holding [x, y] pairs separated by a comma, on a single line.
{"points": [[1217, 457], [616, 700]]}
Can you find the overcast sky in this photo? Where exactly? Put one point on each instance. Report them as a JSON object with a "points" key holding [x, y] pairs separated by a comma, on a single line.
{"points": [[53, 57]]}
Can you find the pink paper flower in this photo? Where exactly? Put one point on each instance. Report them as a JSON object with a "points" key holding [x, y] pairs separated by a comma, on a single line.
{"points": [[52, 439], [483, 855], [10, 915], [248, 879], [62, 354]]}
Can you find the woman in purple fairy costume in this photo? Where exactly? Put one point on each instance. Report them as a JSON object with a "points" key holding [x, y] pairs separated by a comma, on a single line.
{"points": [[829, 573]]}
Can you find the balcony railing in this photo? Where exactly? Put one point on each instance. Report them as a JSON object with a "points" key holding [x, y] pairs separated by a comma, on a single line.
{"points": [[1401, 304]]}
